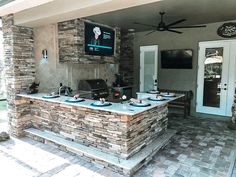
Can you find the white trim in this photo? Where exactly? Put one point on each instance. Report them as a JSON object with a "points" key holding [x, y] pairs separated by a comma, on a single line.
{"points": [[228, 77], [231, 80]]}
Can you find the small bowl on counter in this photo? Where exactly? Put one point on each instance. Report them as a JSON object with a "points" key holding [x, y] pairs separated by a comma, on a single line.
{"points": [[139, 103], [157, 98], [74, 100], [51, 95]]}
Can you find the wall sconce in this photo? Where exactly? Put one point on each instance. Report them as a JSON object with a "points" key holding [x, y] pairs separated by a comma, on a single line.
{"points": [[45, 53]]}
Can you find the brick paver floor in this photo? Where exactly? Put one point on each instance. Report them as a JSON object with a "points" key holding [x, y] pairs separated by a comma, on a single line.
{"points": [[201, 148]]}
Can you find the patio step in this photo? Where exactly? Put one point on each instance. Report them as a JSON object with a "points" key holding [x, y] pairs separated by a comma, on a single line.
{"points": [[125, 167]]}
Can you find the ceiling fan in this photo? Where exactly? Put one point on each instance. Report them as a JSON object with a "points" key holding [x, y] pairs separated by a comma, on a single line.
{"points": [[162, 26]]}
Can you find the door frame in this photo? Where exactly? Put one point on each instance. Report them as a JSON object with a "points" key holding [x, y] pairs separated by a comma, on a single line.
{"points": [[231, 82], [143, 49]]}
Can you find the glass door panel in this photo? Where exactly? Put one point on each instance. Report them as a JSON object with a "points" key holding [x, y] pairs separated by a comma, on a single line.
{"points": [[212, 76], [149, 71], [213, 66], [148, 67]]}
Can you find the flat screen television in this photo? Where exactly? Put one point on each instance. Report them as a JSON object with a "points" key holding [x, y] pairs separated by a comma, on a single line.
{"points": [[177, 59], [99, 40]]}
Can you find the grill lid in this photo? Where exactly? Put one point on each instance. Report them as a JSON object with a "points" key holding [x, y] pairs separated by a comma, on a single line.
{"points": [[98, 87]]}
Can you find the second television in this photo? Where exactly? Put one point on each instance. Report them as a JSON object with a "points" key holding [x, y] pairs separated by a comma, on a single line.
{"points": [[177, 59], [99, 40]]}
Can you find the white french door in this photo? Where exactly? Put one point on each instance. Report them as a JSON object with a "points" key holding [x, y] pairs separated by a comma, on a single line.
{"points": [[216, 77], [148, 67]]}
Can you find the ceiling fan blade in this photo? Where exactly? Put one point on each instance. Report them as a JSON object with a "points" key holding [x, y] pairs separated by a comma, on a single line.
{"points": [[176, 22], [194, 26], [137, 23], [150, 32], [179, 32]]}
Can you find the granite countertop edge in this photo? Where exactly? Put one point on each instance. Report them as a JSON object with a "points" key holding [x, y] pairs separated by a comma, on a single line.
{"points": [[119, 108]]}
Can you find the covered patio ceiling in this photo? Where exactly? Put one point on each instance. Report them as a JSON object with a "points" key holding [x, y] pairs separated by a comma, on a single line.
{"points": [[124, 13], [195, 13]]}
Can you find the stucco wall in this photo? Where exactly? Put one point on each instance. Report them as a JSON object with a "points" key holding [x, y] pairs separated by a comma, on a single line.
{"points": [[50, 72], [179, 79]]}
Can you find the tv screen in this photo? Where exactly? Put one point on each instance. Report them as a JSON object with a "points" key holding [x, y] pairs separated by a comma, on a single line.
{"points": [[177, 59], [99, 40]]}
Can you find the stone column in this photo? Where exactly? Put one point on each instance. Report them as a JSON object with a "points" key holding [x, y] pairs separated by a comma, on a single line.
{"points": [[19, 65], [126, 66]]}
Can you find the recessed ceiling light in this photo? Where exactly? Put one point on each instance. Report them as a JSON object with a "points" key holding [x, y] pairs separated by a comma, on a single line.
{"points": [[131, 30]]}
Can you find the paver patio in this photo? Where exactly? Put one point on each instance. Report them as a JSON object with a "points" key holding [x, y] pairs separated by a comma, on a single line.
{"points": [[201, 148]]}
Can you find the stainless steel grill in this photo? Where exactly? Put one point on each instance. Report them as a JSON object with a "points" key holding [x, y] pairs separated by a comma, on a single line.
{"points": [[93, 88]]}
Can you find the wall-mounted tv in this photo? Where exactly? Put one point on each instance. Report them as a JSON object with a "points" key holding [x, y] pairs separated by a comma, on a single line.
{"points": [[177, 59], [99, 40]]}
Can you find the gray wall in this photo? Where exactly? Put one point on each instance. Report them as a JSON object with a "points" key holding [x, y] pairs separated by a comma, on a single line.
{"points": [[179, 79]]}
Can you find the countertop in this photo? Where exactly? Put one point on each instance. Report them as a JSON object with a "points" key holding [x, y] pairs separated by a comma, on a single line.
{"points": [[120, 108]]}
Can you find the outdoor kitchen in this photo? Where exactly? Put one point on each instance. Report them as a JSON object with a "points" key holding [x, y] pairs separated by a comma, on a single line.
{"points": [[115, 97], [97, 118]]}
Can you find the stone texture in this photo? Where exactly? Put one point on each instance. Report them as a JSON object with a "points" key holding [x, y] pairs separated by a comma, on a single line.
{"points": [[234, 110], [19, 66], [2, 77], [71, 44], [126, 66], [114, 133]]}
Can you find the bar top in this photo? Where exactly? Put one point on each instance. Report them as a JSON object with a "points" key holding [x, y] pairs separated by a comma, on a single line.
{"points": [[120, 108]]}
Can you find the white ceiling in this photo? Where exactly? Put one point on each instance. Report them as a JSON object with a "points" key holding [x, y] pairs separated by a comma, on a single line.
{"points": [[143, 11], [195, 11], [61, 10]]}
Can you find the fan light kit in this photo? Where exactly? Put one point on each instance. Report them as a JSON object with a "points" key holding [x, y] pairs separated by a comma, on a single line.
{"points": [[162, 26], [131, 30]]}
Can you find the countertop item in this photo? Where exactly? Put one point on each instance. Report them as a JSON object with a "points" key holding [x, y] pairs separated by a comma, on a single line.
{"points": [[121, 108], [156, 98], [74, 100], [101, 104]]}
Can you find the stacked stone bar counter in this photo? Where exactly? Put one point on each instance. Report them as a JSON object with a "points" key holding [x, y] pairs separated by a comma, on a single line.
{"points": [[119, 129]]}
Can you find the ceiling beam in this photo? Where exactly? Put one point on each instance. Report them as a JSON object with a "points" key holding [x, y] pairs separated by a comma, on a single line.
{"points": [[20, 5]]}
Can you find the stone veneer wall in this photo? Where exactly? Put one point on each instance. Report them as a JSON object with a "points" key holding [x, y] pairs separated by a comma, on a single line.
{"points": [[20, 70], [126, 66], [114, 133], [71, 44], [234, 110]]}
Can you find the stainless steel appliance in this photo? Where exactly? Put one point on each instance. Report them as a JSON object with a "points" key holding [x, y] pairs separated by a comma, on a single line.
{"points": [[93, 88]]}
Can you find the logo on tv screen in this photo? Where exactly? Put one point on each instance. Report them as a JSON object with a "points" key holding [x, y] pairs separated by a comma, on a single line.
{"points": [[99, 40]]}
